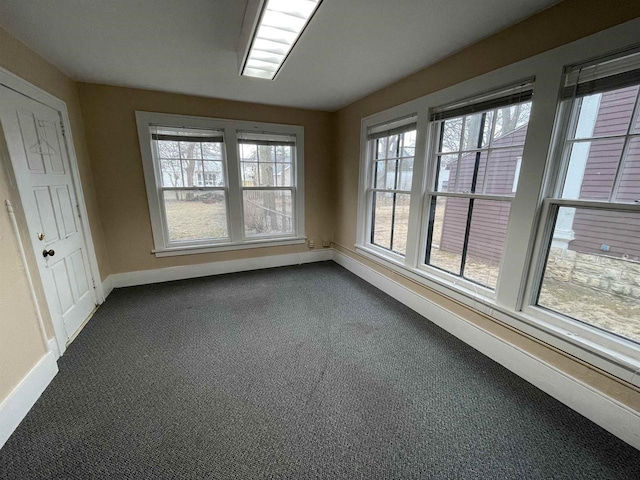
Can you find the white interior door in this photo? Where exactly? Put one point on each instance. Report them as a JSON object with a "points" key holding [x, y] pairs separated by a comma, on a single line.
{"points": [[39, 156]]}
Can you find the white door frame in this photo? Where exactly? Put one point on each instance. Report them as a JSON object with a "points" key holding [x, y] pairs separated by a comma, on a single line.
{"points": [[12, 81]]}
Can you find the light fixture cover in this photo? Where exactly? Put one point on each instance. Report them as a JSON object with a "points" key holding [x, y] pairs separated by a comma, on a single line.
{"points": [[280, 24]]}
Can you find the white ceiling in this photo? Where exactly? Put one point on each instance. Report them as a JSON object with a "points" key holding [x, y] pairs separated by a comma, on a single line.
{"points": [[350, 49]]}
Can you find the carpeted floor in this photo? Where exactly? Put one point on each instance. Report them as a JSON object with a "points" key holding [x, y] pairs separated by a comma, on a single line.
{"points": [[298, 372]]}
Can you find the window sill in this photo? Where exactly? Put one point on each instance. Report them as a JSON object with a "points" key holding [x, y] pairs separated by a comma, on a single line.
{"points": [[530, 322], [223, 247], [456, 289]]}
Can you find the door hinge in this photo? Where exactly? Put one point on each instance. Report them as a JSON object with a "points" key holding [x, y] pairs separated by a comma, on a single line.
{"points": [[93, 280], [62, 129], [78, 209]]}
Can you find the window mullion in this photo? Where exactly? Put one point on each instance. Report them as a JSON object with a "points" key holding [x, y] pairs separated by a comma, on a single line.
{"points": [[235, 191], [525, 207]]}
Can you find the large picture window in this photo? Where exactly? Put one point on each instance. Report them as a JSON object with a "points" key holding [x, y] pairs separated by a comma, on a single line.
{"points": [[592, 260], [477, 158], [219, 184]]}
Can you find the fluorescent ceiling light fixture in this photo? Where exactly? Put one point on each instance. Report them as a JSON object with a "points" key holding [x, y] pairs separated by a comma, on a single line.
{"points": [[280, 24]]}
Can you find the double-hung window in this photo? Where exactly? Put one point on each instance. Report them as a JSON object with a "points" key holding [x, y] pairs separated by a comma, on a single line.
{"points": [[391, 152], [221, 184], [192, 185], [476, 158], [267, 170], [592, 222]]}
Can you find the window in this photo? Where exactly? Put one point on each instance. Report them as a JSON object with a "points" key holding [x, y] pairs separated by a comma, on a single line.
{"points": [[219, 184], [391, 155], [591, 267], [192, 210], [476, 160], [267, 167]]}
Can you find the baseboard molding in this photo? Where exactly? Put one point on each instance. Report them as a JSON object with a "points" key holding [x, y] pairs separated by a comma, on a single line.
{"points": [[16, 406], [107, 286], [168, 274], [611, 415], [52, 346]]}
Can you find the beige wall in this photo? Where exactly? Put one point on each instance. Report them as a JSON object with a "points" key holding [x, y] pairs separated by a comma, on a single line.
{"points": [[566, 22], [21, 346], [109, 115]]}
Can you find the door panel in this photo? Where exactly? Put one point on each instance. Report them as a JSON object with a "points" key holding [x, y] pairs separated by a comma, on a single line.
{"points": [[41, 165], [27, 123], [68, 223], [63, 286], [46, 215], [80, 275]]}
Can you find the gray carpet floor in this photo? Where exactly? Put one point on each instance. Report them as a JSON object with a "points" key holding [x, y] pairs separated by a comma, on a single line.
{"points": [[298, 372]]}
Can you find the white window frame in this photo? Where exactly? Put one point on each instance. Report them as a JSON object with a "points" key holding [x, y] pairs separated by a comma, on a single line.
{"points": [[370, 189], [511, 302], [237, 239], [431, 191]]}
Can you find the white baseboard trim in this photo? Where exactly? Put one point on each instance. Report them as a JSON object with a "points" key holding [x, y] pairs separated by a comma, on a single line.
{"points": [[52, 346], [16, 406], [611, 415], [168, 274], [107, 286]]}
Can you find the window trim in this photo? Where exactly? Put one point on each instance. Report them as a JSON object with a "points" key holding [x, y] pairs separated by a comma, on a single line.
{"points": [[235, 217], [615, 355]]}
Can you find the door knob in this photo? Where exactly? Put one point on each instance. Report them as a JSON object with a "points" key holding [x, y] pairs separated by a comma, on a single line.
{"points": [[48, 253], [41, 236]]}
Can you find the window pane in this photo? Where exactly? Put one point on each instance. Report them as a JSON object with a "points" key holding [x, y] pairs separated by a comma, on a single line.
{"points": [[393, 146], [248, 152], [401, 223], [381, 147], [592, 273], [473, 124], [190, 150], [462, 181], [447, 236], [190, 171], [195, 215], [266, 153], [447, 181], [267, 175], [171, 173], [267, 212], [283, 174], [450, 141], [405, 174], [409, 144], [213, 174], [486, 241], [390, 175], [592, 169], [381, 220], [212, 151], [605, 114], [249, 174], [629, 187], [167, 149], [511, 125], [380, 179], [283, 153], [501, 174]]}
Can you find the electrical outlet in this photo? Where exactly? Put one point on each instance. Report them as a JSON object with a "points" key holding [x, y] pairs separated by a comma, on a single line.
{"points": [[312, 244], [326, 243]]}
